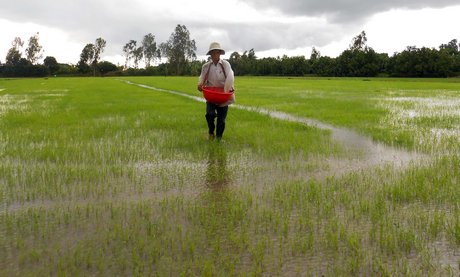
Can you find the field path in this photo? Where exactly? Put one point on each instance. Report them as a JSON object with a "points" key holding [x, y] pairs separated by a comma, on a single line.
{"points": [[372, 153]]}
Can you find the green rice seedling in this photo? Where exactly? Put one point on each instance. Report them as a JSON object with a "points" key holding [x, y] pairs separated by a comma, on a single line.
{"points": [[103, 177]]}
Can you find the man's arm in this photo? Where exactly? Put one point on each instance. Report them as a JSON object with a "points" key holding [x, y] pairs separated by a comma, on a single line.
{"points": [[229, 81], [201, 78]]}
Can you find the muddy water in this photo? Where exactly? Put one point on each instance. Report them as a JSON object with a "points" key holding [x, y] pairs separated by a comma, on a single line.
{"points": [[371, 153]]}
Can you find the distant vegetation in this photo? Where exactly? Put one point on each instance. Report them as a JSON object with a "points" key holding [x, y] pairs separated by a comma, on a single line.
{"points": [[359, 60]]}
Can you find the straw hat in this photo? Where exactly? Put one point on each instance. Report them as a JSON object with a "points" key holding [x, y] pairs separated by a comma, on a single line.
{"points": [[215, 46]]}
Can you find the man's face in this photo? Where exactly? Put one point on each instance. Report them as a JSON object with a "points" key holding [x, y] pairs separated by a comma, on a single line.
{"points": [[215, 55]]}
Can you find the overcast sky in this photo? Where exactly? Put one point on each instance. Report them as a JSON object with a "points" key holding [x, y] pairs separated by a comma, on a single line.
{"points": [[270, 27]]}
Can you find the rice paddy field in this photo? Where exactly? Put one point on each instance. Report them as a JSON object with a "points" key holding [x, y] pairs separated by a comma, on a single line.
{"points": [[313, 177]]}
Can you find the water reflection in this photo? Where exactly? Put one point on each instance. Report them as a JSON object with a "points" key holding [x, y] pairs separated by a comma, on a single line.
{"points": [[217, 174]]}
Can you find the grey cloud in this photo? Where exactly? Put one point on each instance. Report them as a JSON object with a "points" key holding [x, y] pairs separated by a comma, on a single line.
{"points": [[266, 36], [119, 21], [116, 21], [345, 10]]}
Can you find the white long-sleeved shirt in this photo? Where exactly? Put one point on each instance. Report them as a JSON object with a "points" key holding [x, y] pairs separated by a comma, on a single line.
{"points": [[216, 77]]}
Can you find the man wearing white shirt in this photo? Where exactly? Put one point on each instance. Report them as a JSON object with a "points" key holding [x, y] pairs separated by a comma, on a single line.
{"points": [[216, 73]]}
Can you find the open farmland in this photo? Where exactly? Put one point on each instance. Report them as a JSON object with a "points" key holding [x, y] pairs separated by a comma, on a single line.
{"points": [[106, 176]]}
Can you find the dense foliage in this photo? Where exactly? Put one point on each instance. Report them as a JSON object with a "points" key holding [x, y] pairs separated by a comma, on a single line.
{"points": [[357, 62]]}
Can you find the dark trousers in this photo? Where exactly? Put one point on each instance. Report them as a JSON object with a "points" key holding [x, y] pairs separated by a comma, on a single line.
{"points": [[213, 111]]}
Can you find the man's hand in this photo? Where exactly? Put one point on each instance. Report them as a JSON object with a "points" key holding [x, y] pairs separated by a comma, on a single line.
{"points": [[200, 87]]}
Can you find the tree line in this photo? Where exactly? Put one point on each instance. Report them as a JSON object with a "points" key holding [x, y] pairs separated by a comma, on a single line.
{"points": [[179, 51], [359, 60]]}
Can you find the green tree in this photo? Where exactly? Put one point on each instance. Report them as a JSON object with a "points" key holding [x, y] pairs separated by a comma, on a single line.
{"points": [[234, 57], [452, 48], [90, 56], [294, 66], [247, 63], [456, 66], [105, 67], [324, 66], [354, 63], [179, 49], [315, 54], [34, 50], [14, 54], [138, 54], [359, 42], [51, 64], [99, 48], [252, 55], [269, 66], [421, 62], [149, 48], [67, 69], [86, 58], [359, 59], [128, 50], [234, 60]]}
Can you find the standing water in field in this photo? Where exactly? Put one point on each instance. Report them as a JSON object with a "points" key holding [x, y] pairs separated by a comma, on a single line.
{"points": [[218, 176], [371, 153]]}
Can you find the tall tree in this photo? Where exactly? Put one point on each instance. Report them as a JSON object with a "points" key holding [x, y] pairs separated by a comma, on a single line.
{"points": [[99, 47], [315, 54], [452, 48], [138, 54], [14, 54], [179, 49], [34, 50], [86, 58], [128, 49], [149, 48], [234, 57], [252, 54], [51, 64], [17, 43], [90, 55], [234, 60], [359, 42], [247, 63]]}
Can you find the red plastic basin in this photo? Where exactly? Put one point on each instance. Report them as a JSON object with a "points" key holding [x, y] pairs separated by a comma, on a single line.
{"points": [[216, 95]]}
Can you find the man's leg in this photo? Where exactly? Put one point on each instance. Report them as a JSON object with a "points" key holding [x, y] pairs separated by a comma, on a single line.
{"points": [[210, 116], [221, 116]]}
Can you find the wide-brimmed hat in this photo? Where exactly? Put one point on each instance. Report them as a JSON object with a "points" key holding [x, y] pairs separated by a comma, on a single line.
{"points": [[215, 46]]}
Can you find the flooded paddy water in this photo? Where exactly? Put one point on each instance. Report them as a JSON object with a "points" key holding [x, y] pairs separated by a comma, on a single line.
{"points": [[367, 153], [131, 203], [364, 155]]}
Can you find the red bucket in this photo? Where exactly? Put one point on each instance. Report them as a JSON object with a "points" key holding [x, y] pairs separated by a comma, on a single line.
{"points": [[216, 95]]}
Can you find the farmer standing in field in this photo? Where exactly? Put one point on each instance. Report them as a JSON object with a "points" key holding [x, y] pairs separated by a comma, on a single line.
{"points": [[216, 73]]}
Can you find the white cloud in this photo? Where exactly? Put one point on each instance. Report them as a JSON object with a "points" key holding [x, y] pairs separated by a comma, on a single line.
{"points": [[394, 30], [55, 42]]}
